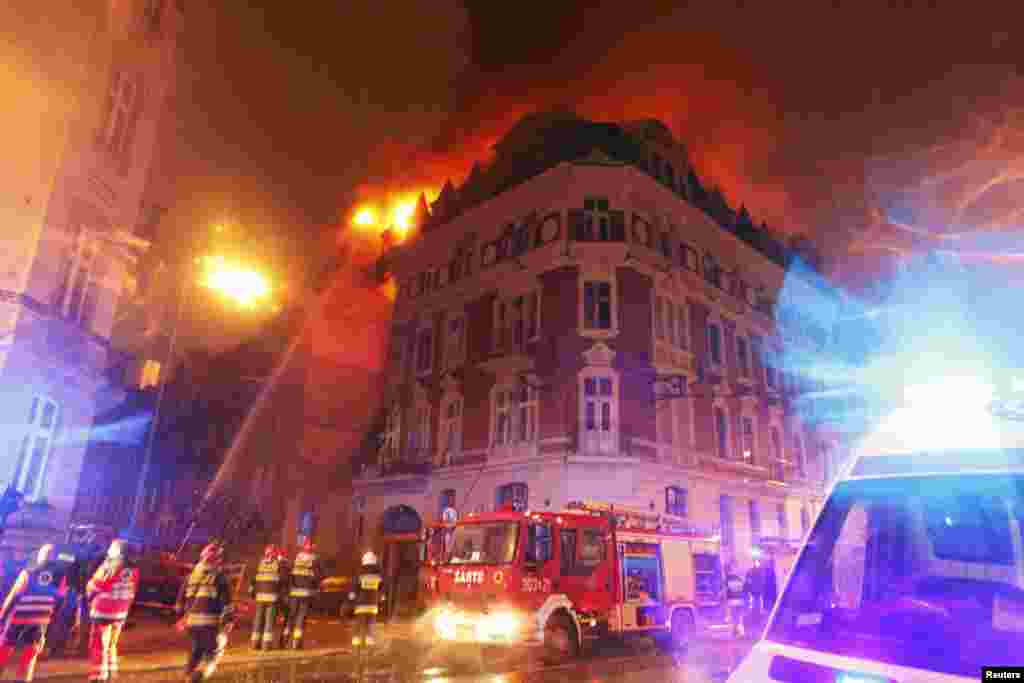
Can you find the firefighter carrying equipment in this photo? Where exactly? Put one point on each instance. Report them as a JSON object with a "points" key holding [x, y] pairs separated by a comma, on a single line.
{"points": [[27, 611]]}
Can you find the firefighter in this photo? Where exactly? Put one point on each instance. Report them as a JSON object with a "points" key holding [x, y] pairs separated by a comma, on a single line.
{"points": [[111, 592], [735, 600], [266, 589], [368, 597], [305, 582], [204, 603], [28, 610]]}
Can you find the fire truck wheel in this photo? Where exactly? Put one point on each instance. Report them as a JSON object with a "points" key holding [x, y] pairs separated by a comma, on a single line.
{"points": [[560, 639]]}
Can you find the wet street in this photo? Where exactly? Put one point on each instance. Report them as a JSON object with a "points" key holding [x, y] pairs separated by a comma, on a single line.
{"points": [[413, 660]]}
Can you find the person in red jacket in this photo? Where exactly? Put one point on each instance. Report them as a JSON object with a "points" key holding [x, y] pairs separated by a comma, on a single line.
{"points": [[111, 593], [28, 610]]}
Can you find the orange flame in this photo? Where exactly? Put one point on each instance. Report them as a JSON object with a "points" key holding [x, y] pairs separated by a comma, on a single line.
{"points": [[394, 213]]}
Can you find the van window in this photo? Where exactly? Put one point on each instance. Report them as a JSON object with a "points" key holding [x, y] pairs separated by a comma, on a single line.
{"points": [[538, 544], [915, 572], [707, 575], [592, 548]]}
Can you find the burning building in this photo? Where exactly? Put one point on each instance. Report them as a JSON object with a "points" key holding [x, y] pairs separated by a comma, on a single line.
{"points": [[584, 319]]}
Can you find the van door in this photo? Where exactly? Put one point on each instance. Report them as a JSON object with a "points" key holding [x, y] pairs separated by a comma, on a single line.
{"points": [[642, 607], [585, 567]]}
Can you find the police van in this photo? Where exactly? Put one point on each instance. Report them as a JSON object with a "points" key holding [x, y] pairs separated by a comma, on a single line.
{"points": [[913, 571]]}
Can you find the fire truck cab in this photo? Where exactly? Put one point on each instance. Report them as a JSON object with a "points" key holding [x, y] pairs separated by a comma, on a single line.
{"points": [[559, 578]]}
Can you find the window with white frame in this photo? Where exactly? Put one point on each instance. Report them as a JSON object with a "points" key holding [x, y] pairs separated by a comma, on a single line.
{"points": [[123, 103], [675, 501], [419, 432], [390, 442], [715, 343], [670, 322], [721, 432], [37, 446], [526, 413], [451, 427], [597, 222], [78, 290], [424, 350], [515, 414], [777, 472], [455, 341], [749, 439], [599, 419], [743, 356], [598, 313], [516, 321]]}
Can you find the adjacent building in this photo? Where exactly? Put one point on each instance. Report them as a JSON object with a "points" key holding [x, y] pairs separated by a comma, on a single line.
{"points": [[582, 319], [74, 207]]}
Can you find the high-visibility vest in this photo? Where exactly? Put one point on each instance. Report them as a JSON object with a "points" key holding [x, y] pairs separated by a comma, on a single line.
{"points": [[266, 585], [369, 591], [37, 591], [205, 597], [304, 575], [113, 588]]}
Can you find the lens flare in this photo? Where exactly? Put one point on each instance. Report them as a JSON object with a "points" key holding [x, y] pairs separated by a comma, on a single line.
{"points": [[365, 217], [243, 285], [402, 216]]}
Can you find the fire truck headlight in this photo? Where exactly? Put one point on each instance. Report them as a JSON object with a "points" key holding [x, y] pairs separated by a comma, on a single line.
{"points": [[444, 624], [503, 625]]}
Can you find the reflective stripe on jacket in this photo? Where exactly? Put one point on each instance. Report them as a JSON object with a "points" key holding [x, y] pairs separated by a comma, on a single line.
{"points": [[368, 596], [266, 585], [305, 575], [205, 598], [33, 598], [112, 590]]}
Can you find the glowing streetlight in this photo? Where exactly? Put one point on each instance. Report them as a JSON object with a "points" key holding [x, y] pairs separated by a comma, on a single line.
{"points": [[365, 217], [245, 286]]}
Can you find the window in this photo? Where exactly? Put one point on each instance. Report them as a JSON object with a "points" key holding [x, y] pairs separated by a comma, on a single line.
{"points": [[515, 415], [597, 305], [722, 433], [419, 434], [777, 472], [725, 514], [567, 547], [599, 415], [798, 454], [805, 519], [455, 341], [124, 100], [516, 322], [670, 322], [666, 246], [748, 439], [592, 549], [526, 427], [682, 329], [659, 320], [79, 286], [597, 222], [742, 356], [715, 343], [424, 351], [757, 352], [36, 447], [755, 522], [451, 428], [516, 495], [539, 544], [447, 501], [675, 501], [489, 543]]}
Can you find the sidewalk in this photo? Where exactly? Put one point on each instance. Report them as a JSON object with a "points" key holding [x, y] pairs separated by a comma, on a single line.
{"points": [[154, 646]]}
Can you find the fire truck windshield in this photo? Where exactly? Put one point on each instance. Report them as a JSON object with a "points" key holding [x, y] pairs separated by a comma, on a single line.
{"points": [[484, 543]]}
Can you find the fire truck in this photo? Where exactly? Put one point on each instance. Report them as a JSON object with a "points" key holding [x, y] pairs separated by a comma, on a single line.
{"points": [[561, 578]]}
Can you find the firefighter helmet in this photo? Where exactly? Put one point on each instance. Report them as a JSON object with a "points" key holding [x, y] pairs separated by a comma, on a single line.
{"points": [[45, 551], [213, 552], [270, 552], [116, 549], [308, 545], [369, 558]]}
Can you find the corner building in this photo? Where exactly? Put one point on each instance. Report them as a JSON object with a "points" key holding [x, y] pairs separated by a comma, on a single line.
{"points": [[538, 307]]}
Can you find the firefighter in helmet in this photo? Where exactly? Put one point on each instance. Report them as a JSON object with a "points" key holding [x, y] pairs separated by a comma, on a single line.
{"points": [[367, 599], [111, 592], [266, 589], [208, 613], [305, 583], [28, 610]]}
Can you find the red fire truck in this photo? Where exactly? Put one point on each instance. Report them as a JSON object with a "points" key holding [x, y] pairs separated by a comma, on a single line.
{"points": [[560, 578]]}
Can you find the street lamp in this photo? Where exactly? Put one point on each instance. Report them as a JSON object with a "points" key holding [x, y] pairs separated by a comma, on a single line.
{"points": [[243, 285]]}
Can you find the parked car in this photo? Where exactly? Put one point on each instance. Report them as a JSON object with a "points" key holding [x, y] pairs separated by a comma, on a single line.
{"points": [[333, 597]]}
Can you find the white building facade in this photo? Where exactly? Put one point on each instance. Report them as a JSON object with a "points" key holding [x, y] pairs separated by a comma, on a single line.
{"points": [[71, 204]]}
